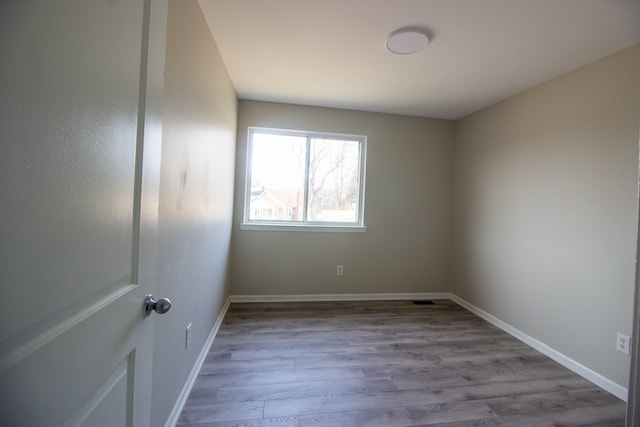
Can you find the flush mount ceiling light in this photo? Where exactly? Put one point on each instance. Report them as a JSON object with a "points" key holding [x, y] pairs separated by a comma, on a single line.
{"points": [[407, 41]]}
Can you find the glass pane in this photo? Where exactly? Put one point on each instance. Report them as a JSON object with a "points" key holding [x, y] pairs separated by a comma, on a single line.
{"points": [[277, 177], [333, 180]]}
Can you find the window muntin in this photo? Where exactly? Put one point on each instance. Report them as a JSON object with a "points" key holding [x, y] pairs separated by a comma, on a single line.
{"points": [[299, 178]]}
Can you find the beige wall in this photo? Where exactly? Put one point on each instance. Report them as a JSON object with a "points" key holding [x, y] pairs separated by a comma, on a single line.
{"points": [[545, 211], [407, 213], [196, 198]]}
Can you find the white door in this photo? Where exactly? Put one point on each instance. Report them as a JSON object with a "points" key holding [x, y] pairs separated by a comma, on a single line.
{"points": [[80, 97]]}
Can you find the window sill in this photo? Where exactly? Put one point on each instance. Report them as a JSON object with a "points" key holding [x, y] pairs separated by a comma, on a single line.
{"points": [[305, 227]]}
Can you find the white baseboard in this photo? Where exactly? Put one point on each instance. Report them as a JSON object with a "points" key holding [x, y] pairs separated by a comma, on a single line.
{"points": [[193, 375], [614, 388], [339, 297]]}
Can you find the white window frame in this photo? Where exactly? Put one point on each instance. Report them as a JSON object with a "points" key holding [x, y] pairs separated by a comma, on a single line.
{"points": [[305, 225]]}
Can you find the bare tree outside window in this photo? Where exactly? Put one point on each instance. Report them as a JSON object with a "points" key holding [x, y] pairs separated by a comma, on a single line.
{"points": [[333, 165]]}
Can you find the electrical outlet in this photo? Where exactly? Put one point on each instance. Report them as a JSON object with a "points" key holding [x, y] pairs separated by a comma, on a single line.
{"points": [[623, 343], [339, 270], [187, 336]]}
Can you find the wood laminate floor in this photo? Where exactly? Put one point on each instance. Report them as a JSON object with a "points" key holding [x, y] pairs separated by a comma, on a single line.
{"points": [[383, 363]]}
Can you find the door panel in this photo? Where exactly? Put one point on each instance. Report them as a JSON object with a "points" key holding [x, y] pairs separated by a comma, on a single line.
{"points": [[70, 84], [80, 101], [98, 409], [50, 384]]}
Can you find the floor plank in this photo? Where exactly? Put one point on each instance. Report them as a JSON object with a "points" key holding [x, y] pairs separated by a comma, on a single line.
{"points": [[401, 416], [383, 363], [304, 389]]}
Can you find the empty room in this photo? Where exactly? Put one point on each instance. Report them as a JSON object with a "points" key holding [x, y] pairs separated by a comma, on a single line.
{"points": [[223, 213]]}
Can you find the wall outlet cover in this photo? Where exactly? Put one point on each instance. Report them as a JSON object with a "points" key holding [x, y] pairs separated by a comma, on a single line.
{"points": [[623, 343], [187, 336]]}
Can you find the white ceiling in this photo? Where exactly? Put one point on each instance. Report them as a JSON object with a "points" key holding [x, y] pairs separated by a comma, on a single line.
{"points": [[332, 52]]}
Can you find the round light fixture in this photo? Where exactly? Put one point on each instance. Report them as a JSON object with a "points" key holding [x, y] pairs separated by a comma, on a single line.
{"points": [[407, 41]]}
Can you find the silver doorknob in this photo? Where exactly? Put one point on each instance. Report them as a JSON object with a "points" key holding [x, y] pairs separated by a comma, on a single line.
{"points": [[160, 306]]}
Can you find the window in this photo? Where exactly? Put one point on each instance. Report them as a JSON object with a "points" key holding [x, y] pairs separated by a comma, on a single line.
{"points": [[304, 179]]}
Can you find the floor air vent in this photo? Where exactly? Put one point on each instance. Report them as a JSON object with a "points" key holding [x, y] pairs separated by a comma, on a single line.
{"points": [[423, 302]]}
